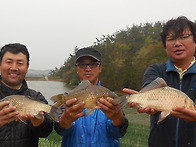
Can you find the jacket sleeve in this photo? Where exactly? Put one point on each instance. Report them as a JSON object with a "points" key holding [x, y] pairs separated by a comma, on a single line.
{"points": [[60, 130], [152, 72], [46, 127], [117, 131]]}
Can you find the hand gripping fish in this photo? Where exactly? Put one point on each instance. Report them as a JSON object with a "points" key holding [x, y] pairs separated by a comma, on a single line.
{"points": [[86, 92], [27, 105], [157, 95]]}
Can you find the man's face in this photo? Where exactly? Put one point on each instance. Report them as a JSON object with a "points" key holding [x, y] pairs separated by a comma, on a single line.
{"points": [[87, 72], [13, 69], [180, 48]]}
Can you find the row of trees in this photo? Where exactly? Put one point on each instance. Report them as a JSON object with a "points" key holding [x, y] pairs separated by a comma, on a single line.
{"points": [[125, 56]]}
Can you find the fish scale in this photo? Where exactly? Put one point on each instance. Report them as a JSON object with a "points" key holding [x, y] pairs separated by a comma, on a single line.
{"points": [[156, 99]]}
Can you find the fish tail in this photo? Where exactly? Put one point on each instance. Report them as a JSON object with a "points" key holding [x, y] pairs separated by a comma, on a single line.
{"points": [[54, 113], [122, 100]]}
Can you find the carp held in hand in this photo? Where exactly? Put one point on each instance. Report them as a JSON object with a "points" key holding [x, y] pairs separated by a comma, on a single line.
{"points": [[27, 105], [157, 95], [86, 92]]}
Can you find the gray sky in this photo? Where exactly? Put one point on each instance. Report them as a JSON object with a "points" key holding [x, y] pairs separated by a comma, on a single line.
{"points": [[52, 28]]}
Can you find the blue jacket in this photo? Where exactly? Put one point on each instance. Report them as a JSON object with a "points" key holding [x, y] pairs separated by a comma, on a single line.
{"points": [[172, 132], [95, 130]]}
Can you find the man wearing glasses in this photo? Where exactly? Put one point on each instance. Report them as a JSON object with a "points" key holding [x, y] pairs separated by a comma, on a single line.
{"points": [[102, 128], [177, 130]]}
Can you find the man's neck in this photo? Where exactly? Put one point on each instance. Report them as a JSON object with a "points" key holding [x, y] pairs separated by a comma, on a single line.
{"points": [[12, 87], [184, 65]]}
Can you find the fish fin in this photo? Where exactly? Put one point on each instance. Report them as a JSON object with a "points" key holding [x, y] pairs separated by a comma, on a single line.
{"points": [[122, 100], [58, 100], [82, 86], [39, 116], [22, 120], [54, 113], [89, 111], [163, 115], [30, 98], [157, 83]]}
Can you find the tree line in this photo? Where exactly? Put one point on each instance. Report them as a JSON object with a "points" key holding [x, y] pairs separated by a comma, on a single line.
{"points": [[126, 54]]}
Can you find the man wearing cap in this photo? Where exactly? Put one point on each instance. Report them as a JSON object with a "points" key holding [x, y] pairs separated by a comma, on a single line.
{"points": [[104, 126]]}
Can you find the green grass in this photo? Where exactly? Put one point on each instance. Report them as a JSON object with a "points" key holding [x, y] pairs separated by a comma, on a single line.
{"points": [[136, 136]]}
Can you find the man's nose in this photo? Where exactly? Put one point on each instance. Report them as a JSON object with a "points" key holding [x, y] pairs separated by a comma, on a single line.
{"points": [[14, 66], [177, 42]]}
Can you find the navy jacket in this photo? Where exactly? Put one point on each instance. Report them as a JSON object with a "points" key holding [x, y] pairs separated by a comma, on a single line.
{"points": [[172, 132]]}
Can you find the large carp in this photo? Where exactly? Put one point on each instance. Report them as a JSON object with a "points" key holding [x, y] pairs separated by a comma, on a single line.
{"points": [[157, 95], [86, 92], [27, 105]]}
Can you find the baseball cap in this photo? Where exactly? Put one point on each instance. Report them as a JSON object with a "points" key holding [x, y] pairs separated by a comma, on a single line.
{"points": [[88, 52]]}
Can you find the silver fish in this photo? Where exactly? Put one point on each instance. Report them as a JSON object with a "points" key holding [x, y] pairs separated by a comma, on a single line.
{"points": [[157, 95], [86, 92], [27, 105]]}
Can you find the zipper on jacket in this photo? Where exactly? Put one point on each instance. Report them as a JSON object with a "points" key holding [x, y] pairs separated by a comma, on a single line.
{"points": [[12, 136], [178, 120]]}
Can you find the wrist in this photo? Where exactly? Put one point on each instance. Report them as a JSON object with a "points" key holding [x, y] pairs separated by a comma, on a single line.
{"points": [[64, 124], [118, 120]]}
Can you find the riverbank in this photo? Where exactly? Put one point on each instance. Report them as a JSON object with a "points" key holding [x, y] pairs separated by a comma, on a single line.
{"points": [[43, 79]]}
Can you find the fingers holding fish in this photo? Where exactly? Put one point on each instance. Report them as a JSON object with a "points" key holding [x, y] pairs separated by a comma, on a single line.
{"points": [[133, 104], [72, 113], [146, 110], [185, 114], [129, 91], [34, 120], [110, 109], [70, 102], [108, 104], [7, 114]]}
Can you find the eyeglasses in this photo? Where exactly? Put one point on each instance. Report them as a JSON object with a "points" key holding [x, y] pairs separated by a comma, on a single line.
{"points": [[181, 38], [91, 65]]}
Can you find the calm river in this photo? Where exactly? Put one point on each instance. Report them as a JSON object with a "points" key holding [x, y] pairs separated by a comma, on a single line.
{"points": [[48, 88]]}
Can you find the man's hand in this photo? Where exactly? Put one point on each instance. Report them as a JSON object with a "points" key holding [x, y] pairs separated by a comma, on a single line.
{"points": [[132, 104], [7, 114], [110, 109], [187, 115], [35, 121], [72, 113]]}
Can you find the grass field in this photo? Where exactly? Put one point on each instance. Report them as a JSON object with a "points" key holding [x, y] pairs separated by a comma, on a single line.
{"points": [[136, 136]]}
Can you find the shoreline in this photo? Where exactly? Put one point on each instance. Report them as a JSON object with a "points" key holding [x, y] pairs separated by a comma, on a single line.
{"points": [[43, 79]]}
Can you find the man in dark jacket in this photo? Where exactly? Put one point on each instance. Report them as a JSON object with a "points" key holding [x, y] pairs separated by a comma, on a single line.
{"points": [[14, 63], [179, 38]]}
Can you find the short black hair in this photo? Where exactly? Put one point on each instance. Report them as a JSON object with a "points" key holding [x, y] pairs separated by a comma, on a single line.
{"points": [[14, 48], [177, 26]]}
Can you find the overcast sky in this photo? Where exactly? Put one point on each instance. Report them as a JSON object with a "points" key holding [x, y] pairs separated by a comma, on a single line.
{"points": [[52, 28]]}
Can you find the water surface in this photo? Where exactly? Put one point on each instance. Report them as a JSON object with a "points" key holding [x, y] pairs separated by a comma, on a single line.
{"points": [[48, 88]]}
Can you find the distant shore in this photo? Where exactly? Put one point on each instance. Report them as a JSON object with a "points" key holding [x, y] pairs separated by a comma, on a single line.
{"points": [[43, 79]]}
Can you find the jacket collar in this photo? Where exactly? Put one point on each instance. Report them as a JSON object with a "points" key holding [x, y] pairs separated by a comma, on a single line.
{"points": [[9, 91], [170, 67]]}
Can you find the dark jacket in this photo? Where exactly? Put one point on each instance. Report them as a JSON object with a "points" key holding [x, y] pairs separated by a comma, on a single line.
{"points": [[172, 132], [19, 134], [95, 130]]}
